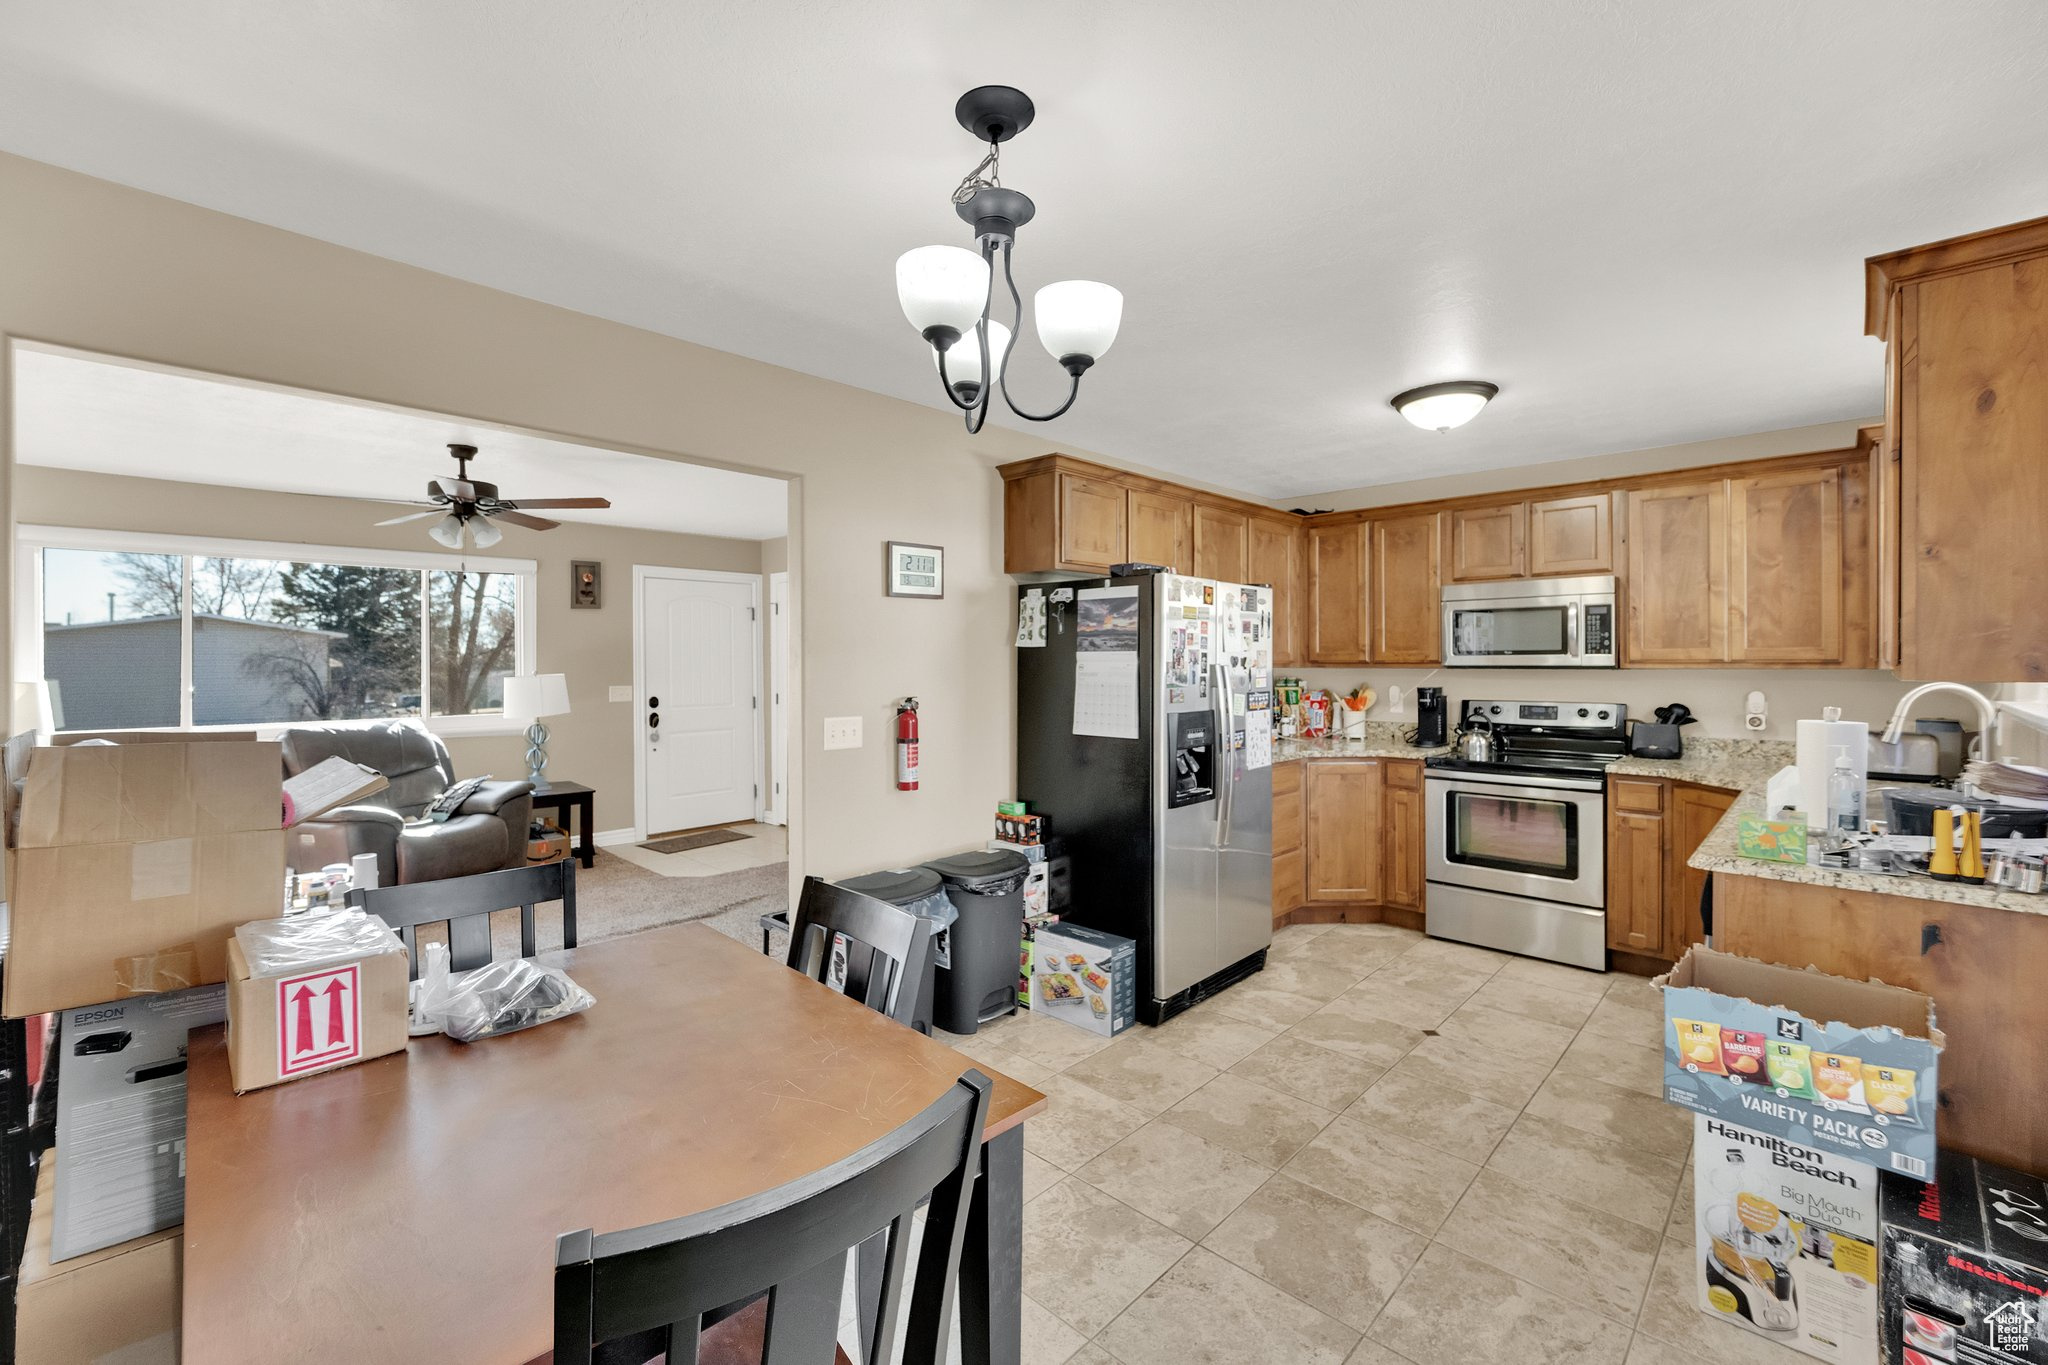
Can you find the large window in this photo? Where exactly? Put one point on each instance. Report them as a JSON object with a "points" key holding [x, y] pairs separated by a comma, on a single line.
{"points": [[132, 637]]}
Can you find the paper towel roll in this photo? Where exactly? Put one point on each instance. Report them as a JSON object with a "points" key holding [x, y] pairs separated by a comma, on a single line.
{"points": [[1814, 756]]}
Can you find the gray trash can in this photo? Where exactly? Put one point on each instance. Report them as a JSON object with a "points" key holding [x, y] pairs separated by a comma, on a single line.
{"points": [[980, 981], [920, 892]]}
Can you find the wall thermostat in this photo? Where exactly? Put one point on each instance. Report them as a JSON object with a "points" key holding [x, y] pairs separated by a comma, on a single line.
{"points": [[1755, 717]]}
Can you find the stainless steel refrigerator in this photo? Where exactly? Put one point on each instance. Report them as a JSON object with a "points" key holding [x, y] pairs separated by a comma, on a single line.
{"points": [[1144, 736]]}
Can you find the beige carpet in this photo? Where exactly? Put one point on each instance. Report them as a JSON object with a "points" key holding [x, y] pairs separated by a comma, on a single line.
{"points": [[614, 898]]}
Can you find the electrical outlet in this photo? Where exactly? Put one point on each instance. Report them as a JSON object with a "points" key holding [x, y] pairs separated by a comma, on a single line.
{"points": [[622, 693], [842, 732]]}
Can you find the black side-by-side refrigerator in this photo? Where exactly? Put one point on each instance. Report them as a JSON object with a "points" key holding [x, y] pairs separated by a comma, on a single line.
{"points": [[1144, 736]]}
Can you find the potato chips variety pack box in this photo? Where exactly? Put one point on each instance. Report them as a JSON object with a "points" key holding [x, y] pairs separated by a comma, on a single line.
{"points": [[1844, 1067], [1084, 976]]}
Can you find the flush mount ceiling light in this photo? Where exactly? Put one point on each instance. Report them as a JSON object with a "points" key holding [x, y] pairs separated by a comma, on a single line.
{"points": [[946, 290], [1439, 407]]}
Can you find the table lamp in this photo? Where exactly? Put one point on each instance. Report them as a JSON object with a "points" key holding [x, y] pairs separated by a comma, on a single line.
{"points": [[36, 707], [534, 696]]}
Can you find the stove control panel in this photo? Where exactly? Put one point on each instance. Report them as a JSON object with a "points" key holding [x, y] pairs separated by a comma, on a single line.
{"points": [[1550, 715]]}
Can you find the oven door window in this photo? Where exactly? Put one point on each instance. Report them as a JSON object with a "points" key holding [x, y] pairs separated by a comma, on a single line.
{"points": [[1535, 835], [1502, 632]]}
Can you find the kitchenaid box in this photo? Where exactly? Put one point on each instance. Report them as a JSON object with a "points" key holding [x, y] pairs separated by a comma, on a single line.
{"points": [[1965, 1266], [121, 1117], [1785, 1241], [1085, 977], [1848, 1067]]}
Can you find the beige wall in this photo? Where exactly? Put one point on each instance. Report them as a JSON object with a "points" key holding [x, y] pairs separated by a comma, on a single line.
{"points": [[105, 268], [1621, 464], [593, 744]]}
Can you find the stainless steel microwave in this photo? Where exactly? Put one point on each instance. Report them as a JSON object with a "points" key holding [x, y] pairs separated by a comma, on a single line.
{"points": [[1531, 623]]}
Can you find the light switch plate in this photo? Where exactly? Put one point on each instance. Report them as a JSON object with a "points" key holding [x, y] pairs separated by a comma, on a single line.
{"points": [[622, 693], [842, 732]]}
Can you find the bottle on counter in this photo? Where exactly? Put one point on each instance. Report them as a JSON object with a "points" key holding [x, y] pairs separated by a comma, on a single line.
{"points": [[1845, 797]]}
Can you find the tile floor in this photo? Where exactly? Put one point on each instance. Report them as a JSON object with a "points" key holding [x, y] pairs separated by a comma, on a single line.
{"points": [[1382, 1149], [763, 845]]}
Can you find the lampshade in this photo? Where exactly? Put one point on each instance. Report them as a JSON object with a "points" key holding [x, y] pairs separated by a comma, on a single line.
{"points": [[942, 286], [1439, 407], [485, 533], [963, 362], [35, 708], [537, 694], [447, 531], [1078, 317]]}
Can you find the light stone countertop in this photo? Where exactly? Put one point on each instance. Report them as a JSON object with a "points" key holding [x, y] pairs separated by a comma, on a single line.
{"points": [[1383, 739]]}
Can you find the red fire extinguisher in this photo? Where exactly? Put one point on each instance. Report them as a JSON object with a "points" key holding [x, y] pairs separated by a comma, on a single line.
{"points": [[906, 745]]}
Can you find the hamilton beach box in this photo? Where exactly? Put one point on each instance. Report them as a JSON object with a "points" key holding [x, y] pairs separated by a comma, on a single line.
{"points": [[311, 993], [1846, 1067]]}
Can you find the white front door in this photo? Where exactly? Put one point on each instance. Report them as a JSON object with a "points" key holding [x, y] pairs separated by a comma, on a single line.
{"points": [[778, 699], [700, 656]]}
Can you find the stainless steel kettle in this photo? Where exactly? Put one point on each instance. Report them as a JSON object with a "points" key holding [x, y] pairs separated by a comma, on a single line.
{"points": [[1473, 744]]}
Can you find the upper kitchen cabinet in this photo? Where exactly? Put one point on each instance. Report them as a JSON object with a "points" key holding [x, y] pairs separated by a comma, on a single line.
{"points": [[1161, 529], [1403, 574], [1965, 325], [1678, 574], [1489, 542], [1570, 536], [1273, 555], [1220, 549], [1337, 602], [1541, 538], [1784, 562], [1057, 519]]}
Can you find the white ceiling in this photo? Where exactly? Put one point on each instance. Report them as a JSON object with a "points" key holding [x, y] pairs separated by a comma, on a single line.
{"points": [[1645, 221], [75, 412]]}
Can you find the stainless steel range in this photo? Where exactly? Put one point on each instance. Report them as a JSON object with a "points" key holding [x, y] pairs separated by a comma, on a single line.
{"points": [[1517, 842]]}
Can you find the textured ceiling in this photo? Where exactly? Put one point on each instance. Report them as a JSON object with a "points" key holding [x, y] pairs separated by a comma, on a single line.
{"points": [[1644, 221]]}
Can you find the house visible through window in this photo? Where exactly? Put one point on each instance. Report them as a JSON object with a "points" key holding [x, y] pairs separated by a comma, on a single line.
{"points": [[271, 640]]}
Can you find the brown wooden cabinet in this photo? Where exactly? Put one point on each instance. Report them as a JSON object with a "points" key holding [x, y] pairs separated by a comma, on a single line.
{"points": [[1160, 528], [1965, 323], [1220, 550], [1059, 520], [1489, 542], [1694, 813], [1341, 808], [1091, 522], [1337, 601], [1405, 622], [1402, 826], [1273, 554], [1289, 872], [1571, 535], [1785, 567], [1678, 574], [1635, 866]]}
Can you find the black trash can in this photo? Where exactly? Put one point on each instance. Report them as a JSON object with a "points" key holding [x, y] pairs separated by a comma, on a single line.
{"points": [[916, 890], [980, 984]]}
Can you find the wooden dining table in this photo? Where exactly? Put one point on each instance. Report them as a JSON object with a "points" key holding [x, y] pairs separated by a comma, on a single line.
{"points": [[406, 1208]]}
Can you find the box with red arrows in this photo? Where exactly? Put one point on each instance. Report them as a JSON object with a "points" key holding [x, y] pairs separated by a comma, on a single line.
{"points": [[310, 993]]}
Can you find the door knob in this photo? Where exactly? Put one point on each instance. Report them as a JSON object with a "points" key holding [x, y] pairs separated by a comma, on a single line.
{"points": [[654, 720]]}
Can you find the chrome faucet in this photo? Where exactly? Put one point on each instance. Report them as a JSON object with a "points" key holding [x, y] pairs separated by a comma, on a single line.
{"points": [[1988, 719]]}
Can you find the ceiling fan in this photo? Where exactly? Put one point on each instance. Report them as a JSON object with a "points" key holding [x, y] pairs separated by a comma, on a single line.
{"points": [[469, 504]]}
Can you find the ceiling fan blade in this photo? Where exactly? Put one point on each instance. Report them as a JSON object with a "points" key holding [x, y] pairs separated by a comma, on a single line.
{"points": [[561, 502], [415, 516], [521, 519]]}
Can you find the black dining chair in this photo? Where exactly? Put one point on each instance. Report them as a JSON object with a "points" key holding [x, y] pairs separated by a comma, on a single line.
{"points": [[887, 952], [466, 904], [784, 1253]]}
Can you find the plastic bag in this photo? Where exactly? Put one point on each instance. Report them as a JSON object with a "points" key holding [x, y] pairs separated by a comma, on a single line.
{"points": [[316, 938], [504, 998]]}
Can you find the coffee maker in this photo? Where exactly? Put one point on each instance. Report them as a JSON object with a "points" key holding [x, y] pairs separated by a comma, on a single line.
{"points": [[1432, 718]]}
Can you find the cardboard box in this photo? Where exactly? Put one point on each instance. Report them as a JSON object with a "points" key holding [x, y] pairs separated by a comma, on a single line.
{"points": [[1032, 924], [1085, 977], [312, 993], [1965, 1266], [549, 848], [1020, 829], [1849, 1067], [116, 1304], [1785, 1241], [134, 864], [121, 1117]]}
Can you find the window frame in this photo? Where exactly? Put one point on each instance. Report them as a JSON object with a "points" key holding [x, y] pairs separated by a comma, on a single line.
{"points": [[32, 540]]}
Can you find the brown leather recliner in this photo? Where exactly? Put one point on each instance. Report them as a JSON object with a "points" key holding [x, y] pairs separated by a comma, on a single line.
{"points": [[486, 833]]}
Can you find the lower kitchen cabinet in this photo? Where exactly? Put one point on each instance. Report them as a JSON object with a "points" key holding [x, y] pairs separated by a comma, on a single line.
{"points": [[1341, 804], [1653, 827], [1347, 837], [1401, 846], [1289, 857]]}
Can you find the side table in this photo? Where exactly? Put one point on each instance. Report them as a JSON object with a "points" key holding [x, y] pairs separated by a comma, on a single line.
{"points": [[563, 798]]}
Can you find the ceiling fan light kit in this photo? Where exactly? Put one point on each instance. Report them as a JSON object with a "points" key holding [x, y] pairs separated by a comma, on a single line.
{"points": [[472, 507], [1439, 407], [946, 291]]}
